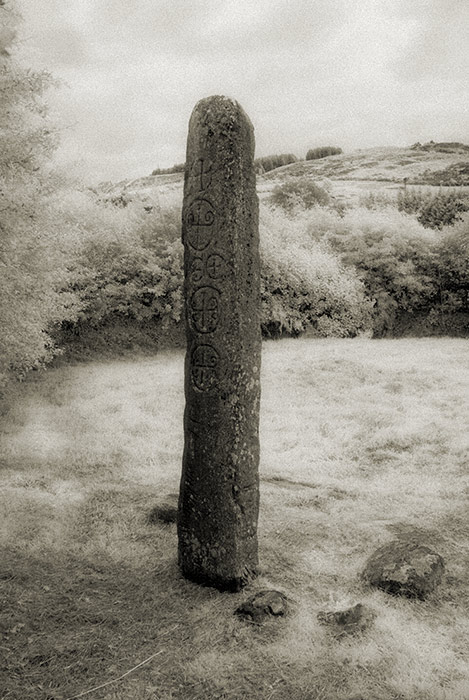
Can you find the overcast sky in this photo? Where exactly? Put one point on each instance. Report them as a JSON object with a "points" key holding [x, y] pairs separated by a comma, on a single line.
{"points": [[348, 73]]}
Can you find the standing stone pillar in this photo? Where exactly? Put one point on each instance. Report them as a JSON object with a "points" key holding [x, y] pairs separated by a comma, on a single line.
{"points": [[219, 494]]}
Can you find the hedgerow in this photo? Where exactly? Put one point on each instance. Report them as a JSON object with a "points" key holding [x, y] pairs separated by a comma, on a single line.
{"points": [[267, 163], [322, 152], [178, 168], [336, 274], [127, 265]]}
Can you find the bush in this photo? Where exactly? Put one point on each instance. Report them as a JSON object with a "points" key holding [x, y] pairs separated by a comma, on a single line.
{"points": [[299, 192], [454, 175], [304, 283], [392, 254], [266, 163], [127, 269], [377, 200], [338, 275], [322, 152], [453, 268], [127, 263], [433, 210]]}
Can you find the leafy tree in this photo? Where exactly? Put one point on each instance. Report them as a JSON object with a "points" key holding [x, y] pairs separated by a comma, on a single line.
{"points": [[32, 267]]}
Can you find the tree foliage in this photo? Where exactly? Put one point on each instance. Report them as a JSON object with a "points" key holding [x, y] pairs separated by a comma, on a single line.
{"points": [[32, 267]]}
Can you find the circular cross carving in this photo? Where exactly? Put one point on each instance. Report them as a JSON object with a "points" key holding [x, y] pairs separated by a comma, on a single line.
{"points": [[204, 309], [204, 367], [200, 218], [215, 266]]}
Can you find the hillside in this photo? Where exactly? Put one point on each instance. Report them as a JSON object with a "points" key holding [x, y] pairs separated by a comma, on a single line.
{"points": [[348, 175], [420, 165]]}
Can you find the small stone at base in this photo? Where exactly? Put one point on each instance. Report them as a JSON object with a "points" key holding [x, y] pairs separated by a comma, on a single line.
{"points": [[262, 605], [405, 567], [348, 621]]}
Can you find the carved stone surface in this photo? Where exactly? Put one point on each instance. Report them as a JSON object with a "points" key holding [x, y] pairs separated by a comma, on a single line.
{"points": [[219, 494], [205, 309], [205, 368], [200, 220]]}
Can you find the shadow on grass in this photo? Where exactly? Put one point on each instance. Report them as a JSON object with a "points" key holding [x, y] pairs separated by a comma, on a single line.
{"points": [[75, 616]]}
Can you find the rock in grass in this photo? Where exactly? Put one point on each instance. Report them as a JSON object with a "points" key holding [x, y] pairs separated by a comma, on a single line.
{"points": [[349, 621], [406, 568], [262, 605], [166, 511]]}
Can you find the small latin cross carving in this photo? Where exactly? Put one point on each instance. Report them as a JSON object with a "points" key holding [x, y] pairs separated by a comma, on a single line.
{"points": [[215, 265], [203, 172]]}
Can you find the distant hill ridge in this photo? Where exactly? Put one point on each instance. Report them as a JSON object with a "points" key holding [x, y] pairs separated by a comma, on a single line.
{"points": [[443, 146], [432, 163], [428, 164]]}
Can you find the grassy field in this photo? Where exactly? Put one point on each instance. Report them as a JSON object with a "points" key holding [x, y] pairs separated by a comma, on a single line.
{"points": [[362, 441]]}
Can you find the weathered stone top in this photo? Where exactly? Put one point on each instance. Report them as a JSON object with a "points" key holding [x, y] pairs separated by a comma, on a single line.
{"points": [[219, 129]]}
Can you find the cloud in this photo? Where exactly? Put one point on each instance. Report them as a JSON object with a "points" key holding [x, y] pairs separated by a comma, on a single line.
{"points": [[438, 42], [65, 48], [307, 73]]}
